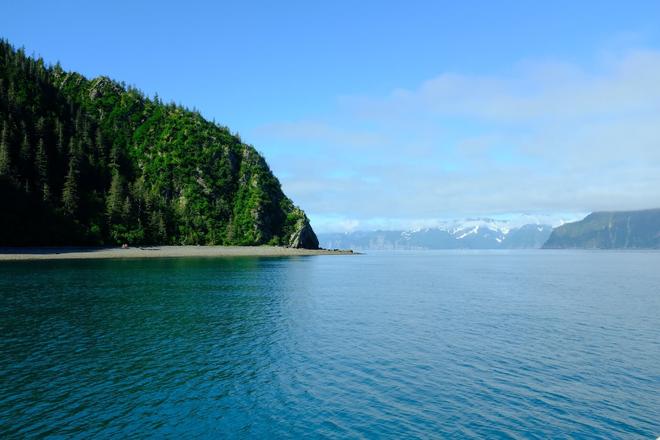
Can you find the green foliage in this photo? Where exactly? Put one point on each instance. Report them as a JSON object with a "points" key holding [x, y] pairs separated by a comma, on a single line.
{"points": [[5, 159], [41, 163], [70, 197], [105, 164]]}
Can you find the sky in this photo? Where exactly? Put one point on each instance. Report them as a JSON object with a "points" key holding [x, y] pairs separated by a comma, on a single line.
{"points": [[396, 115]]}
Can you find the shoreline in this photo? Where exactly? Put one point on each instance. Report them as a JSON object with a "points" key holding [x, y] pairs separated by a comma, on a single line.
{"points": [[90, 253]]}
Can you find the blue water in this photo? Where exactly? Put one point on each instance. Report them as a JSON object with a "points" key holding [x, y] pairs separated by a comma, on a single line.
{"points": [[521, 344]]}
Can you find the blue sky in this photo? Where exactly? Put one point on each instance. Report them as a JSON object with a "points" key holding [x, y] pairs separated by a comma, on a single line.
{"points": [[397, 114]]}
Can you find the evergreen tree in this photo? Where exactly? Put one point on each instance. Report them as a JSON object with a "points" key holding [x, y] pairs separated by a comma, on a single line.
{"points": [[99, 143], [42, 171], [115, 198], [26, 150], [5, 157], [60, 142], [70, 194], [25, 155]]}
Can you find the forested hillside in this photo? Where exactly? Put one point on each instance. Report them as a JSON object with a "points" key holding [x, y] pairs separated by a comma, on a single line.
{"points": [[96, 162]]}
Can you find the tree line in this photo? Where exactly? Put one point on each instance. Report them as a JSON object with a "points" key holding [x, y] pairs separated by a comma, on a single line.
{"points": [[97, 162]]}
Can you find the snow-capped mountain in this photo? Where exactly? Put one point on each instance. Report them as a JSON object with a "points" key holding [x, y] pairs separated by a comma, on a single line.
{"points": [[481, 233]]}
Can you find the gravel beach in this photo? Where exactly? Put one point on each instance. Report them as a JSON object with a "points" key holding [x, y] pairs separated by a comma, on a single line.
{"points": [[70, 253]]}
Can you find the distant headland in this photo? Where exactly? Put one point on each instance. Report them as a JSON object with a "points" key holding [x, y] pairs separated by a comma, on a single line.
{"points": [[609, 230]]}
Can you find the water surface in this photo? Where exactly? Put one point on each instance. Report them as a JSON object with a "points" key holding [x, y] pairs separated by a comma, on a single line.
{"points": [[522, 344]]}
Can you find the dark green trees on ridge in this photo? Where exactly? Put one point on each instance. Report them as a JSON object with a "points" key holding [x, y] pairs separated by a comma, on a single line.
{"points": [[95, 162]]}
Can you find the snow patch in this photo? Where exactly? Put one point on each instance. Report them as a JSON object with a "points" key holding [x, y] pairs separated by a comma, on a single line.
{"points": [[470, 232]]}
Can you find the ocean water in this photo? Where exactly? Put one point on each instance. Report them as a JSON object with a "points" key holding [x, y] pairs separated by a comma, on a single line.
{"points": [[518, 344]]}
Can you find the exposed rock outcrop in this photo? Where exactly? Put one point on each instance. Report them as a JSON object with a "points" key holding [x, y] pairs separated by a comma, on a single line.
{"points": [[304, 236]]}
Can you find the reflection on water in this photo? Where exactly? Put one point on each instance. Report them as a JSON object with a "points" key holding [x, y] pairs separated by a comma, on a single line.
{"points": [[389, 344]]}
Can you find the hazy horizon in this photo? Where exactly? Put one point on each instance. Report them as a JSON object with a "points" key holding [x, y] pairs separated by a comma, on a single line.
{"points": [[512, 221]]}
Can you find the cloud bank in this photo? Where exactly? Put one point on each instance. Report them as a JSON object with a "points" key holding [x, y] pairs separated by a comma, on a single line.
{"points": [[542, 138]]}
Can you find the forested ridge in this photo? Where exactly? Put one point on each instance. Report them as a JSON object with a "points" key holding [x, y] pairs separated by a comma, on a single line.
{"points": [[94, 162]]}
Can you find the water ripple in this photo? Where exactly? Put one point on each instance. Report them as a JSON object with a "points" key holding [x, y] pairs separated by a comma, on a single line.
{"points": [[409, 345]]}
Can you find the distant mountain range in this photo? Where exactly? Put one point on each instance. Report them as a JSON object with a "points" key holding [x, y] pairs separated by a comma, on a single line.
{"points": [[465, 234], [610, 230]]}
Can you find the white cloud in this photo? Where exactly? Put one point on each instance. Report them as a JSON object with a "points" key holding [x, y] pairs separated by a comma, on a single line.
{"points": [[546, 137], [532, 91]]}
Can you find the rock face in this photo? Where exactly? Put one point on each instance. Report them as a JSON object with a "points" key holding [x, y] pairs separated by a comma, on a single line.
{"points": [[304, 236], [609, 230]]}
